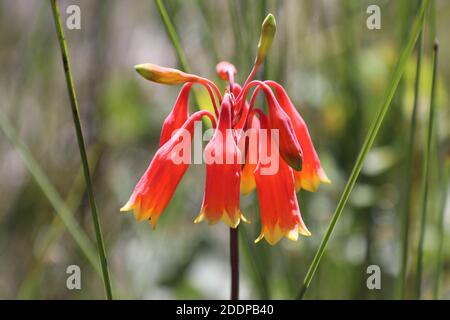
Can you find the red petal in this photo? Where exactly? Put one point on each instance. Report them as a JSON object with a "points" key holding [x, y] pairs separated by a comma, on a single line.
{"points": [[289, 146], [154, 190], [221, 199], [177, 116], [312, 173], [280, 214]]}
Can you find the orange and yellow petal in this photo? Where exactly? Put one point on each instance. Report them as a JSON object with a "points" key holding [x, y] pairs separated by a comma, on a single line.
{"points": [[309, 179], [311, 174], [280, 213], [221, 199], [230, 219], [248, 183], [274, 234], [156, 187]]}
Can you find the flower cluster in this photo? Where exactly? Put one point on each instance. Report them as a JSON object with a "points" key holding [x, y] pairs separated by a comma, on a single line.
{"points": [[298, 163]]}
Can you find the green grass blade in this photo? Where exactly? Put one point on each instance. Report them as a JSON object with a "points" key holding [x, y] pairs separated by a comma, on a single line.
{"points": [[405, 226], [173, 36], [81, 146], [425, 178], [370, 138], [171, 32]]}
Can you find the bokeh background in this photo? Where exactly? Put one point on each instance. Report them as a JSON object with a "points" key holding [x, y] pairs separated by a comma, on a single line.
{"points": [[333, 67]]}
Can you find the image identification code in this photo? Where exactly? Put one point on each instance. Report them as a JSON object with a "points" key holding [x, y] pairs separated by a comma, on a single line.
{"points": [[226, 309]]}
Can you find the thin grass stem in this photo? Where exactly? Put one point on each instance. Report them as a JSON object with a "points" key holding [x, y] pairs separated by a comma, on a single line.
{"points": [[406, 218], [173, 36], [81, 146], [425, 178]]}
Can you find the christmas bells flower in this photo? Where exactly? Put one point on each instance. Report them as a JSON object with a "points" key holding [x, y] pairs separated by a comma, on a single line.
{"points": [[221, 199], [280, 213], [249, 149], [312, 173], [157, 186]]}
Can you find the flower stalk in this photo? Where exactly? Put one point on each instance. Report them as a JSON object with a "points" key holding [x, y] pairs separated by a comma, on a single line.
{"points": [[234, 263]]}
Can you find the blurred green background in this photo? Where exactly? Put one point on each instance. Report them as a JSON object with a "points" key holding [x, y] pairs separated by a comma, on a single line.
{"points": [[334, 68]]}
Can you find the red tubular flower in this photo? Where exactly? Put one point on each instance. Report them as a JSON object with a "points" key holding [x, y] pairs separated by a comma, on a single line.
{"points": [[223, 173], [312, 173], [157, 186], [178, 116], [290, 149], [288, 144], [280, 213]]}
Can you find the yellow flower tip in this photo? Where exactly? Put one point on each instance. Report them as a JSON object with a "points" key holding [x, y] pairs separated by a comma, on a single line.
{"points": [[272, 239], [260, 237], [304, 231], [311, 184], [275, 234], [200, 217], [153, 222], [127, 207], [323, 176], [231, 220], [268, 29], [243, 218], [292, 235], [163, 75]]}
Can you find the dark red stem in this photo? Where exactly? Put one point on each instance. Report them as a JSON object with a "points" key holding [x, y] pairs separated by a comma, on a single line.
{"points": [[234, 261]]}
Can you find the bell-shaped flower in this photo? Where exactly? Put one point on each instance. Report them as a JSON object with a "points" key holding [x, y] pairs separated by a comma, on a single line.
{"points": [[312, 173], [178, 116], [280, 213], [221, 200], [159, 182]]}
